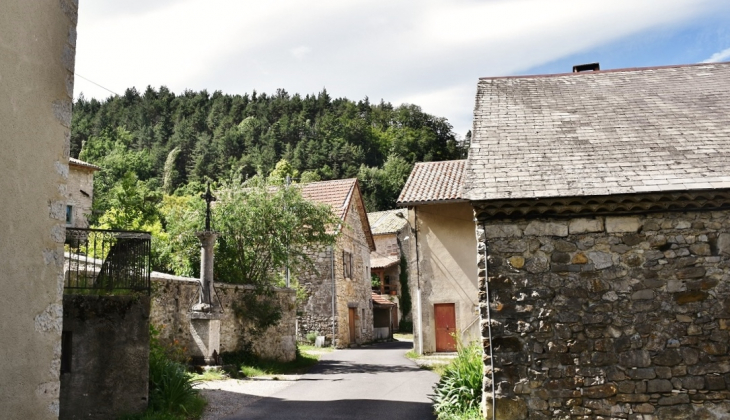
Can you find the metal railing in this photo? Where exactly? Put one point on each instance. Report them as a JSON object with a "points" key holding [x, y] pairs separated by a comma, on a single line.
{"points": [[106, 261]]}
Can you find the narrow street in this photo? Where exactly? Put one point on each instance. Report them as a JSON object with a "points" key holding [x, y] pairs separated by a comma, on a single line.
{"points": [[371, 382]]}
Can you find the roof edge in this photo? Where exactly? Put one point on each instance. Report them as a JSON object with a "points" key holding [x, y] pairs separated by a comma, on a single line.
{"points": [[585, 73]]}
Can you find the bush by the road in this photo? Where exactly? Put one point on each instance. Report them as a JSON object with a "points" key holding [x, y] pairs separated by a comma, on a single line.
{"points": [[459, 391]]}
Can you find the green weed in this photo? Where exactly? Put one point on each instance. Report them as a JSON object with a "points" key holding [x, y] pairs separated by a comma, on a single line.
{"points": [[459, 390]]}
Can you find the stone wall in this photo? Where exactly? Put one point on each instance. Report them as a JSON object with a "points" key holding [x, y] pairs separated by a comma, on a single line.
{"points": [[37, 46], [173, 296], [608, 317], [105, 369]]}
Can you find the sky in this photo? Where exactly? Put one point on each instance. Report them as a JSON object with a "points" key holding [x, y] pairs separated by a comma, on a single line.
{"points": [[426, 52]]}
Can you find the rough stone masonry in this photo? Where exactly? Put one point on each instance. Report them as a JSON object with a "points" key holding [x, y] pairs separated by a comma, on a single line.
{"points": [[608, 317]]}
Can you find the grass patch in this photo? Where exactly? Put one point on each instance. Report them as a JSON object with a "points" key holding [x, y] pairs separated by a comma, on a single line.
{"points": [[470, 414], [304, 348], [210, 375], [249, 366]]}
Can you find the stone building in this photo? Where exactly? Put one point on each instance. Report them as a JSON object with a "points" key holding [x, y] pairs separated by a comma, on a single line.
{"points": [[603, 219], [79, 192], [37, 46], [339, 301], [390, 230], [441, 260]]}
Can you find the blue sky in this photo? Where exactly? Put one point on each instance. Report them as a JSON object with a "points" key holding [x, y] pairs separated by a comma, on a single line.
{"points": [[427, 52]]}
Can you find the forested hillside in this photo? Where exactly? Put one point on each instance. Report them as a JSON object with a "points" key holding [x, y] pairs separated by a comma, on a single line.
{"points": [[158, 143]]}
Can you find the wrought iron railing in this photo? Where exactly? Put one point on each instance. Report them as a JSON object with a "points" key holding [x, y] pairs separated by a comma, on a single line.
{"points": [[107, 261]]}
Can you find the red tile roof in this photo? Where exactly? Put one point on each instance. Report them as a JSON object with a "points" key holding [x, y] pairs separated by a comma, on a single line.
{"points": [[383, 261], [82, 164], [380, 300], [338, 194], [432, 182]]}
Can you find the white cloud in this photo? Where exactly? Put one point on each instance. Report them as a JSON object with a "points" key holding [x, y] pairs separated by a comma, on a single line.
{"points": [[429, 52], [718, 57], [300, 52]]}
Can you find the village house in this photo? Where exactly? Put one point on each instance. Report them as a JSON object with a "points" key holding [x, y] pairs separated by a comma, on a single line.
{"points": [[390, 230], [37, 65], [602, 201], [79, 192], [339, 303], [442, 276]]}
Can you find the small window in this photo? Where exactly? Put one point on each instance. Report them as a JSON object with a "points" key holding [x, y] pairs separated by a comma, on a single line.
{"points": [[347, 264], [69, 215]]}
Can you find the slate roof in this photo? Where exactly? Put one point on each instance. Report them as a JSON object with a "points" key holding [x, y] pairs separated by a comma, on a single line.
{"points": [[339, 194], [384, 222], [601, 133], [82, 164], [431, 182]]}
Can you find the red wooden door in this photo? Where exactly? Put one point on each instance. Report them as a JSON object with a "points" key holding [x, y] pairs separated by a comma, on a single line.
{"points": [[351, 322], [445, 315]]}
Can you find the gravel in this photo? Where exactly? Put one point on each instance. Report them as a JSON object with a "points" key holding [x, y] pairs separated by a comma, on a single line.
{"points": [[229, 396]]}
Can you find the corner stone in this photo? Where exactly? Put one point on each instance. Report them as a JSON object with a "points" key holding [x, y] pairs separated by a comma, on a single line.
{"points": [[622, 224]]}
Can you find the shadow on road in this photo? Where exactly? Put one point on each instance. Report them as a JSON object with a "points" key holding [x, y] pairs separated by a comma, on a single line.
{"points": [[278, 409], [337, 367]]}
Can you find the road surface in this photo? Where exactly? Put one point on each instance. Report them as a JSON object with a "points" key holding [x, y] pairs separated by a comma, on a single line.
{"points": [[365, 383]]}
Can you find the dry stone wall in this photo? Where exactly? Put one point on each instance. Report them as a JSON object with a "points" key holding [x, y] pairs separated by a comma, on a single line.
{"points": [[173, 296], [608, 317]]}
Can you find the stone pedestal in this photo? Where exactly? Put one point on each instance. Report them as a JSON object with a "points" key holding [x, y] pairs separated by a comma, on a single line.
{"points": [[205, 328]]}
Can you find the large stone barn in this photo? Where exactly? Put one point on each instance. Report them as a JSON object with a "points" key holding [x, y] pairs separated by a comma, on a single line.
{"points": [[602, 201]]}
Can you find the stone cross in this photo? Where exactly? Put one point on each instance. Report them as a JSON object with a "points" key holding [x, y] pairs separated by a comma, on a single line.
{"points": [[209, 198]]}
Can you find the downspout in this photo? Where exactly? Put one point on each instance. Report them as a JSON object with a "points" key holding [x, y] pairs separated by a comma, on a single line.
{"points": [[418, 283], [334, 291], [489, 321]]}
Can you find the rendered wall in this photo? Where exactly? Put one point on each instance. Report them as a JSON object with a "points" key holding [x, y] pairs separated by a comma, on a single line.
{"points": [[172, 298], [447, 252], [37, 46], [80, 179], [609, 317], [108, 373]]}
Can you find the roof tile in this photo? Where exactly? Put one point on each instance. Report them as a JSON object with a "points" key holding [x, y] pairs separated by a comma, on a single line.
{"points": [[434, 182]]}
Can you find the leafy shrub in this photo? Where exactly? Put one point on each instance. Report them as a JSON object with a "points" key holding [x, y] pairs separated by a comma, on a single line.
{"points": [[311, 337], [459, 390], [172, 395]]}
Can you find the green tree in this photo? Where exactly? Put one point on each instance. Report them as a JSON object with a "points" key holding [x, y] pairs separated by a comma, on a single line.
{"points": [[265, 228]]}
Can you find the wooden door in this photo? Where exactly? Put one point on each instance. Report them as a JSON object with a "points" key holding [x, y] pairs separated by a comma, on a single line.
{"points": [[351, 322], [445, 315]]}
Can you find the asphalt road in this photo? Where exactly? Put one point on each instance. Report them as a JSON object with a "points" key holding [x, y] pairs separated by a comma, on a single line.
{"points": [[366, 383]]}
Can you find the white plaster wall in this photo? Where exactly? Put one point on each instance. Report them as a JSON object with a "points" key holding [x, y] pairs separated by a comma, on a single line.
{"points": [[37, 46], [447, 251]]}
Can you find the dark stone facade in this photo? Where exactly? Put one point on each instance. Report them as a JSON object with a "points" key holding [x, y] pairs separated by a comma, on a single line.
{"points": [[105, 359], [598, 317]]}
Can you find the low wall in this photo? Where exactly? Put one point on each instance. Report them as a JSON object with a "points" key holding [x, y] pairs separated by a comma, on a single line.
{"points": [[620, 317], [105, 356], [173, 296]]}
